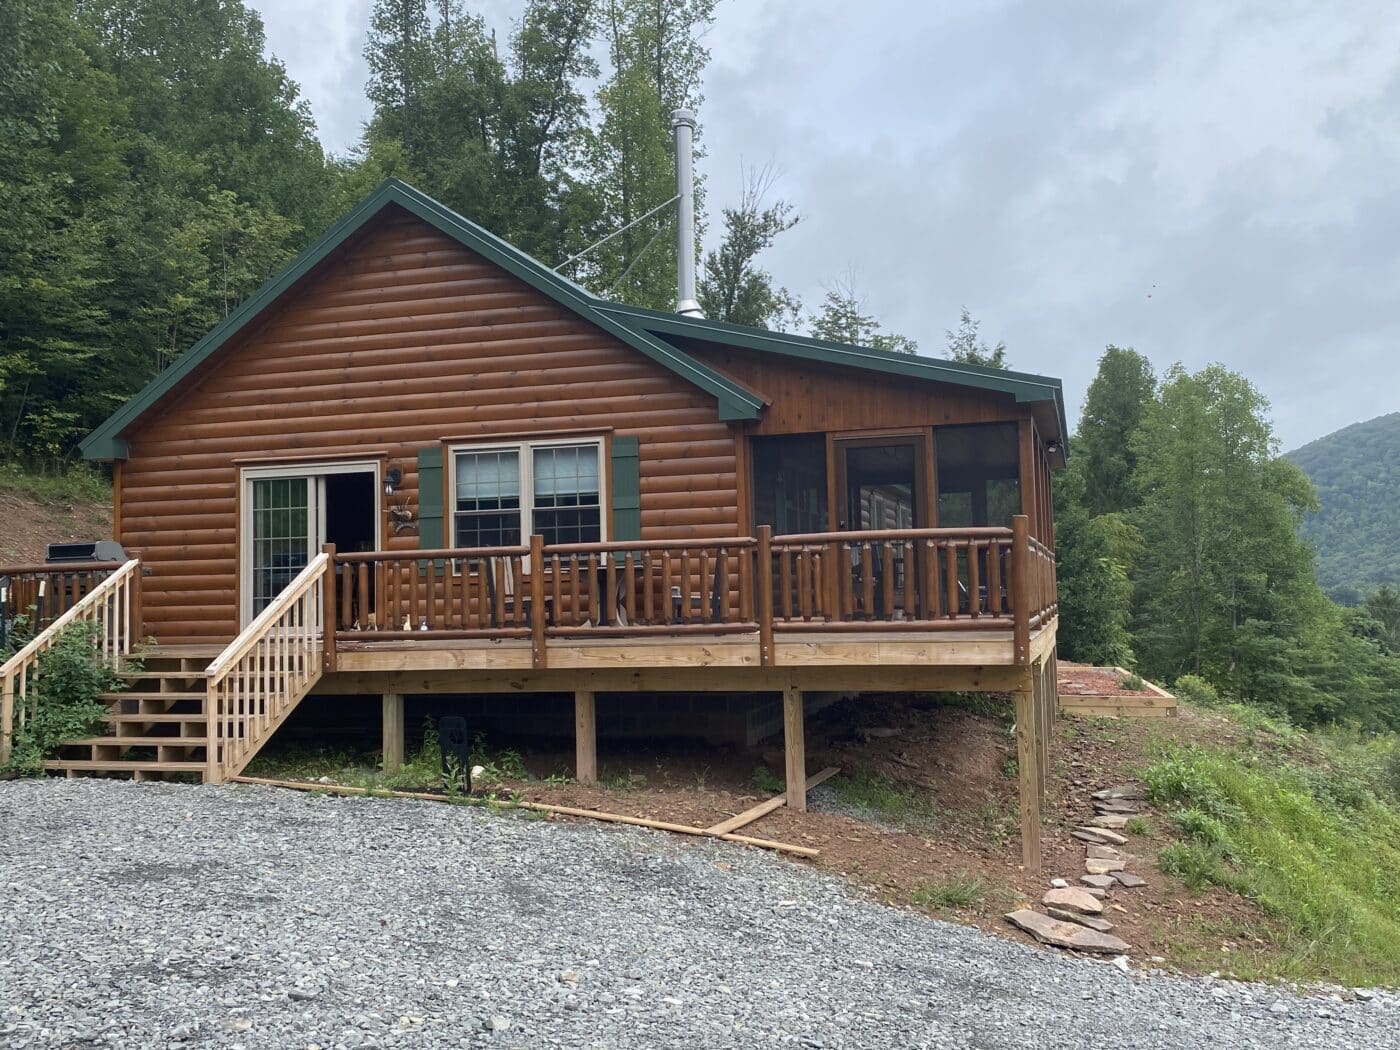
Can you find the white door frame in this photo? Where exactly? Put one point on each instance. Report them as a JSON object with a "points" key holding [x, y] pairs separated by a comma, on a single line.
{"points": [[315, 474]]}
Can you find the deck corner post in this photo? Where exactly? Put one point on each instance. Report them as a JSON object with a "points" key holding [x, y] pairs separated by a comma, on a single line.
{"points": [[765, 595], [213, 772], [1028, 773], [328, 609], [795, 748], [585, 737], [1021, 590], [392, 739], [538, 654]]}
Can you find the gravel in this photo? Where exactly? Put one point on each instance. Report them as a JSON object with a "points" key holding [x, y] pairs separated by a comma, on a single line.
{"points": [[139, 915]]}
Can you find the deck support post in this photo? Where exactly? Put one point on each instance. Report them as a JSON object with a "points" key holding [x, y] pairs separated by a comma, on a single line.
{"points": [[393, 732], [796, 749], [328, 610], [1028, 771], [585, 737]]}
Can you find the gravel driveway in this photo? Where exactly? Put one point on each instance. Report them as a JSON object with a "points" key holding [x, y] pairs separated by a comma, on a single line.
{"points": [[166, 915]]}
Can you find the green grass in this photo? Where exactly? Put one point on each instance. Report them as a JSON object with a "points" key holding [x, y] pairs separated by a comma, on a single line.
{"points": [[1314, 840], [764, 781], [76, 485], [958, 891], [1138, 826], [882, 797]]}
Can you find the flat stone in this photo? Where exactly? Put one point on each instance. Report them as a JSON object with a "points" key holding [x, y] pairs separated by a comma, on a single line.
{"points": [[1059, 884], [1095, 866], [1129, 880], [1096, 893], [1065, 934], [1091, 921], [1127, 791], [1116, 805], [1073, 899], [1110, 820], [1101, 882], [1100, 835], [1104, 853]]}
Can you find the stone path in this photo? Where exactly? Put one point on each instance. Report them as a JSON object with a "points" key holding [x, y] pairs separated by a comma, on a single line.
{"points": [[1074, 915]]}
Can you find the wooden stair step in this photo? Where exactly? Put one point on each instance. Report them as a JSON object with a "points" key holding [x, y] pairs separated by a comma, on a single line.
{"points": [[118, 765], [136, 676], [139, 741], [165, 716], [137, 694]]}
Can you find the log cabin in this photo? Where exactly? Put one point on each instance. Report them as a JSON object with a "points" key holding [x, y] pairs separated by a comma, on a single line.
{"points": [[418, 461]]}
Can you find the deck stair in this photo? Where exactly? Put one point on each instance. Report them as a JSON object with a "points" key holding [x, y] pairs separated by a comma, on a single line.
{"points": [[156, 725]]}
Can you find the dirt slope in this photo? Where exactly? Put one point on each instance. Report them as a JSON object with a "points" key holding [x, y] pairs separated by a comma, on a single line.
{"points": [[28, 524]]}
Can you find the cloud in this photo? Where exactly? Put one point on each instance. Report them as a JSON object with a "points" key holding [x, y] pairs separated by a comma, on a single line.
{"points": [[1202, 181]]}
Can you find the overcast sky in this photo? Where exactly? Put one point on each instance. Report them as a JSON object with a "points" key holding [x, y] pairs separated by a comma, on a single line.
{"points": [[1202, 180]]}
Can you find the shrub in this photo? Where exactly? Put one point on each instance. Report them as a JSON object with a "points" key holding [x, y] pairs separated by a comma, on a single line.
{"points": [[1193, 689], [1132, 682], [1196, 865], [65, 692]]}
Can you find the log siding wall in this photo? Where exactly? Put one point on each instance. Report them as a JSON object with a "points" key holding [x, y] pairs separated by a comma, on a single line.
{"points": [[403, 339]]}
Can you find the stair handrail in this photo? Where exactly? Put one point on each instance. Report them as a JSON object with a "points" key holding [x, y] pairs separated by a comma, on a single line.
{"points": [[292, 628], [114, 603]]}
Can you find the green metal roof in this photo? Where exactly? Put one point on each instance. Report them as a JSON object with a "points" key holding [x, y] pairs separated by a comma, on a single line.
{"points": [[1023, 385], [734, 401], [648, 331]]}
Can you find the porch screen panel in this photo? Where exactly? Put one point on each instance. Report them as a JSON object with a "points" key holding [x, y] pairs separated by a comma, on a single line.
{"points": [[789, 483], [979, 474], [281, 535], [487, 510], [567, 495]]}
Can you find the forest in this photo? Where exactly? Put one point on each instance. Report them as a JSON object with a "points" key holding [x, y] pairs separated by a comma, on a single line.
{"points": [[159, 167], [1180, 553], [1356, 471]]}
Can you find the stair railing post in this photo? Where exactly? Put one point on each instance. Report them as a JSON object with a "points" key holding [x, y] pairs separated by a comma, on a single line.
{"points": [[328, 609], [7, 717]]}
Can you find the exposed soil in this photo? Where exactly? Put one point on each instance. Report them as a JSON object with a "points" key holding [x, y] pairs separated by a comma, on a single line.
{"points": [[28, 526], [954, 763], [1087, 680]]}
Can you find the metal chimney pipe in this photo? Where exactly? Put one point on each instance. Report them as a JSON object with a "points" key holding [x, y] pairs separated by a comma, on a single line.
{"points": [[683, 124]]}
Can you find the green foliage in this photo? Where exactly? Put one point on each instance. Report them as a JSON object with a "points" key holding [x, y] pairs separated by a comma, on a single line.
{"points": [[1316, 845], [66, 691], [842, 319], [1114, 407], [1092, 560], [967, 346], [1193, 689], [1356, 472], [1138, 826], [1132, 683], [957, 891], [766, 782], [881, 796], [79, 484], [732, 287]]}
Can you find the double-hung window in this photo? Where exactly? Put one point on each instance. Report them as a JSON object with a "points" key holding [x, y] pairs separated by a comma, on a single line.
{"points": [[503, 493]]}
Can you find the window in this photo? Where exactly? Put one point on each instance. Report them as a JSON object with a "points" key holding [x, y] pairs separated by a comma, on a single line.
{"points": [[504, 494], [979, 474]]}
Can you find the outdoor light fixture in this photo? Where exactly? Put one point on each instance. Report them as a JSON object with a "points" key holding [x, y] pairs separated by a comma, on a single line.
{"points": [[391, 479], [1052, 447]]}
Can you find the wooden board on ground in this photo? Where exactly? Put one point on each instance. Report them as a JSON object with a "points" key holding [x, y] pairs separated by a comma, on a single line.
{"points": [[761, 810], [538, 807]]}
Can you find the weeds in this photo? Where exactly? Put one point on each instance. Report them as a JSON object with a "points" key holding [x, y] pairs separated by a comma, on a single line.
{"points": [[1132, 683], [1138, 826], [765, 782], [75, 485], [878, 794], [958, 891]]}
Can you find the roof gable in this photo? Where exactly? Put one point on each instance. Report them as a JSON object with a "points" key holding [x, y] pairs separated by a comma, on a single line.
{"points": [[106, 442]]}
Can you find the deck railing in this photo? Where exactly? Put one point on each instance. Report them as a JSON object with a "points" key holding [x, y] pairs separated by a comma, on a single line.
{"points": [[264, 673], [42, 593], [113, 603], [985, 579]]}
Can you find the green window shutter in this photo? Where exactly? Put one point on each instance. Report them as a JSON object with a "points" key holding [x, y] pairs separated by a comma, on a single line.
{"points": [[626, 475], [430, 531]]}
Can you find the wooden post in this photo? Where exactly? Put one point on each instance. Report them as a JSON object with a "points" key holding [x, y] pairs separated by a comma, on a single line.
{"points": [[796, 749], [7, 718], [329, 609], [1028, 762], [1021, 590], [537, 616], [137, 611], [393, 732], [585, 737], [764, 571]]}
